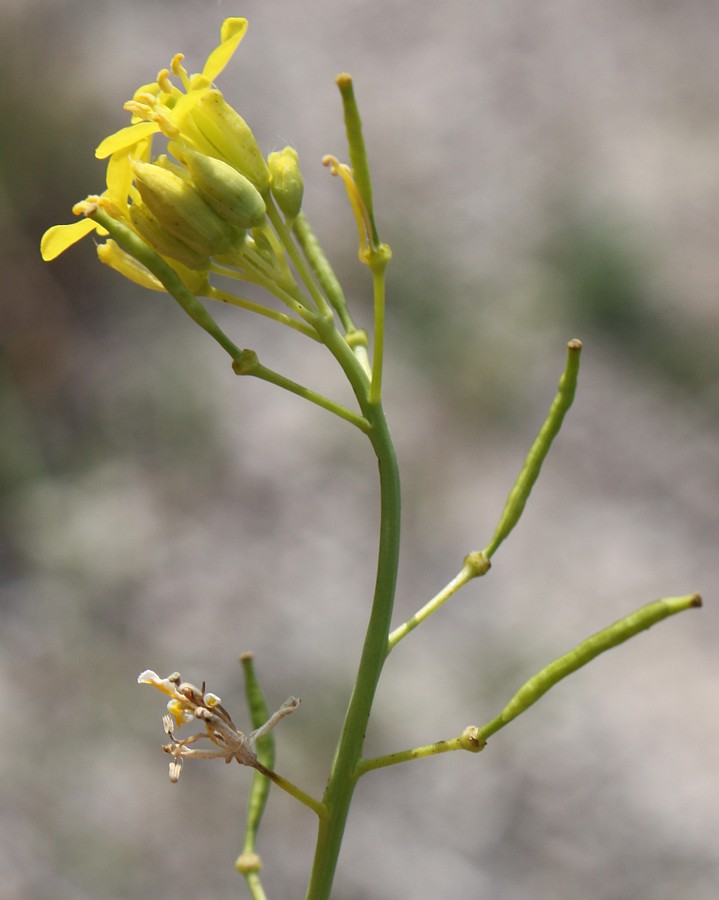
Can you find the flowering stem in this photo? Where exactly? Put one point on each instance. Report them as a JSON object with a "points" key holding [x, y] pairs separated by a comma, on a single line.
{"points": [[343, 775]]}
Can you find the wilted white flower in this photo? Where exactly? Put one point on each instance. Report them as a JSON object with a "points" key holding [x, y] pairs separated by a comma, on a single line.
{"points": [[189, 703]]}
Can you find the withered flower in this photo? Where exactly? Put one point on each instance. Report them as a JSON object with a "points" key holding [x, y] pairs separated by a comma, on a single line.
{"points": [[189, 703]]}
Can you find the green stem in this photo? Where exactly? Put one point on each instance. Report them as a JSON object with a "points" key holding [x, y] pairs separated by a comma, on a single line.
{"points": [[378, 285], [297, 261], [233, 300], [343, 775], [170, 280], [254, 884], [474, 565], [286, 785], [250, 365], [249, 863], [468, 740], [522, 488]]}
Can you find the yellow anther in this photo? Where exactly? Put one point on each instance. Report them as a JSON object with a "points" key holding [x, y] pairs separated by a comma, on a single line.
{"points": [[163, 80]]}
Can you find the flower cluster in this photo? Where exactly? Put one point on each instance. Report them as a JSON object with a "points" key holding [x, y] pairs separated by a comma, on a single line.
{"points": [[189, 704], [207, 200]]}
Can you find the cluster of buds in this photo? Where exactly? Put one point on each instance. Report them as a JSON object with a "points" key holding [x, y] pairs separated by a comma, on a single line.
{"points": [[189, 703], [210, 201]]}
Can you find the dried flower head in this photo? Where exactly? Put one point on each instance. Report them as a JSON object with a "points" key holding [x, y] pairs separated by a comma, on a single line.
{"points": [[188, 704]]}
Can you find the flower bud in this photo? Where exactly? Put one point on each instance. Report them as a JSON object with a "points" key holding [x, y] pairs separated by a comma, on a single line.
{"points": [[180, 209], [226, 130], [232, 196], [287, 185], [112, 255], [161, 240]]}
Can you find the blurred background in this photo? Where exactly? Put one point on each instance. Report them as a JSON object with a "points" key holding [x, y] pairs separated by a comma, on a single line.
{"points": [[542, 172]]}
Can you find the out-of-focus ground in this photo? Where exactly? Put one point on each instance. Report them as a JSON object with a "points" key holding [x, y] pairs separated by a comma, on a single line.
{"points": [[542, 171]]}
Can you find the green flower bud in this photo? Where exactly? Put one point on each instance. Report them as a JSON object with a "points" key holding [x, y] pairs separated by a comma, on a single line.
{"points": [[180, 209], [227, 191], [161, 240], [227, 131], [287, 184]]}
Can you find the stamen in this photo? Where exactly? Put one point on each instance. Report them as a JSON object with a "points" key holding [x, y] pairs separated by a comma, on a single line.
{"points": [[163, 79], [140, 109], [179, 71], [86, 207], [168, 128]]}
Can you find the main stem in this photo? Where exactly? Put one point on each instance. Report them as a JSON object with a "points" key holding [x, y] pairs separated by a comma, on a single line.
{"points": [[343, 776]]}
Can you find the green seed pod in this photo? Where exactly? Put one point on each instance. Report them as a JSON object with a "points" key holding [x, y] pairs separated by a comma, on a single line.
{"points": [[287, 184], [161, 240], [180, 209], [227, 131], [232, 196]]}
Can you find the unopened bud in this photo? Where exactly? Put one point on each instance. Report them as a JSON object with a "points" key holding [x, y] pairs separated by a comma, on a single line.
{"points": [[232, 196], [180, 209], [226, 130], [287, 184], [161, 240], [116, 258]]}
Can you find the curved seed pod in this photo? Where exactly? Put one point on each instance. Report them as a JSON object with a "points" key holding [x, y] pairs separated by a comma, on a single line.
{"points": [[615, 634], [232, 196]]}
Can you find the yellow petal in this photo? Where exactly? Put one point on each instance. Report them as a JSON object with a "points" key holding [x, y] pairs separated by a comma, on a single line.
{"points": [[113, 256], [58, 238], [231, 33], [119, 171], [125, 138]]}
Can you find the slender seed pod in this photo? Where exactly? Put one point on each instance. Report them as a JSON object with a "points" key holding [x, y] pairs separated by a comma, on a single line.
{"points": [[615, 634]]}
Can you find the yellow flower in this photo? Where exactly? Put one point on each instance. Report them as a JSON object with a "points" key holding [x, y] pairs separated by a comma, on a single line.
{"points": [[199, 117], [189, 703], [114, 200]]}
